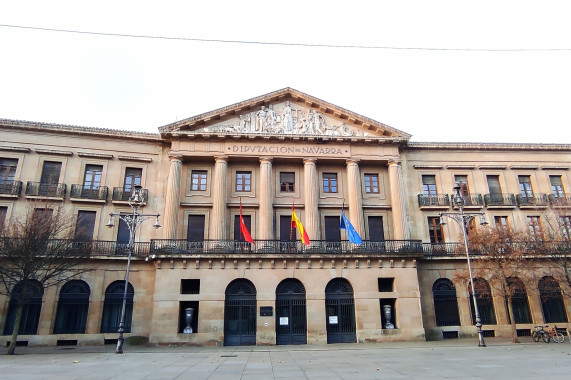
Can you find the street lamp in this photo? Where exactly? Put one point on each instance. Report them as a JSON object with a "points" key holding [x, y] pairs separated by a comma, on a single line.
{"points": [[133, 221], [463, 218]]}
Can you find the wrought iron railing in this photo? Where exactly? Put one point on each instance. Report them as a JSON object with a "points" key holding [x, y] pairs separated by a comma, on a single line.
{"points": [[472, 199], [442, 249], [433, 200], [11, 187], [533, 200], [560, 200], [177, 246], [120, 194], [500, 200], [56, 190], [87, 192], [531, 248], [114, 248]]}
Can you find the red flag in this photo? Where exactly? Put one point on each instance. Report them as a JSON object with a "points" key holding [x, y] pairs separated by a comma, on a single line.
{"points": [[296, 223], [243, 229]]}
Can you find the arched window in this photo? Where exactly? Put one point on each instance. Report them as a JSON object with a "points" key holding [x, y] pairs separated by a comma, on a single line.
{"points": [[32, 299], [520, 305], [72, 308], [445, 303], [485, 302], [551, 300], [113, 305]]}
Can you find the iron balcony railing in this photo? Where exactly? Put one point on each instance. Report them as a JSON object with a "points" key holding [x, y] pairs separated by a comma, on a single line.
{"points": [[442, 249], [120, 194], [532, 248], [177, 246], [88, 192], [56, 190], [533, 200], [560, 200], [11, 187], [500, 200], [433, 200], [94, 247], [472, 199]]}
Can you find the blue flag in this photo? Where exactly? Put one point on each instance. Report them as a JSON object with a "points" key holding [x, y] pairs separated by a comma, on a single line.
{"points": [[352, 234]]}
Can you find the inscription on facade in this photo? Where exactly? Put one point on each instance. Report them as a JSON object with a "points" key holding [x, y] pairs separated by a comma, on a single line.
{"points": [[288, 150]]}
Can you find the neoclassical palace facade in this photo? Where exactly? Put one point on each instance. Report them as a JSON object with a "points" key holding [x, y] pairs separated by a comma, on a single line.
{"points": [[260, 158]]}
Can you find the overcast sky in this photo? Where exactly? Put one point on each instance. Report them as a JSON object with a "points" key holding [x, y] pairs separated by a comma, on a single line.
{"points": [[473, 71]]}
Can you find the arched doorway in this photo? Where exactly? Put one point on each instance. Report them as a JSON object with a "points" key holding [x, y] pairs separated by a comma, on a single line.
{"points": [[520, 305], [291, 314], [240, 313], [114, 304], [32, 299], [445, 303], [551, 300], [72, 308], [340, 312]]}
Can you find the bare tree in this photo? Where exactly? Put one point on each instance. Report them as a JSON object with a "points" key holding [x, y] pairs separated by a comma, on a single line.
{"points": [[502, 257], [37, 251]]}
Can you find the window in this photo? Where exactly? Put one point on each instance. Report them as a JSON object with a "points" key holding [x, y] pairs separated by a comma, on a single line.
{"points": [[50, 172], [113, 304], [8, 170], [92, 178], [551, 300], [371, 183], [85, 225], [329, 182], [494, 185], [238, 236], [376, 231], [132, 179], [198, 178], [501, 221], [565, 222], [3, 212], [287, 182], [244, 181], [429, 185], [485, 302], [462, 181], [71, 316], [556, 186], [525, 186], [520, 306], [332, 231], [535, 228], [445, 303], [386, 284], [435, 230], [195, 231], [32, 300], [189, 286]]}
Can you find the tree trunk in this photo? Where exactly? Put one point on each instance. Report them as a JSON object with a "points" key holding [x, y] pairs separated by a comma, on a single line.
{"points": [[512, 321], [17, 322]]}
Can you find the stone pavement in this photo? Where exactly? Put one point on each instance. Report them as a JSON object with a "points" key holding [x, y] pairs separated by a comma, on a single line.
{"points": [[457, 359]]}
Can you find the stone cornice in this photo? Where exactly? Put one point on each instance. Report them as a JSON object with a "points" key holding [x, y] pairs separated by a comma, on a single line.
{"points": [[77, 130], [486, 146]]}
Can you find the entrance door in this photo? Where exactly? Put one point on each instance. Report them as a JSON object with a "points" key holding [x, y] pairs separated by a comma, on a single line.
{"points": [[291, 315], [240, 314], [340, 312]]}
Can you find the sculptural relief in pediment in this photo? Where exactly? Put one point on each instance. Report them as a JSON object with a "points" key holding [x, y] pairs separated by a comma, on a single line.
{"points": [[285, 118]]}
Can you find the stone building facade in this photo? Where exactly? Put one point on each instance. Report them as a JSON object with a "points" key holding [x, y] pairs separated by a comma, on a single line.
{"points": [[259, 159]]}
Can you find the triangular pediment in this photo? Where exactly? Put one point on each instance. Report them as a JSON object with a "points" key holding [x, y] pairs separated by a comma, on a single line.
{"points": [[284, 112]]}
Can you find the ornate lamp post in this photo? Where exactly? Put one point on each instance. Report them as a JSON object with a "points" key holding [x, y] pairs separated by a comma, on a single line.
{"points": [[463, 218], [133, 221]]}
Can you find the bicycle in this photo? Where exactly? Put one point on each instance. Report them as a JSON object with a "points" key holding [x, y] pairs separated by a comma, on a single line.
{"points": [[552, 333], [539, 333]]}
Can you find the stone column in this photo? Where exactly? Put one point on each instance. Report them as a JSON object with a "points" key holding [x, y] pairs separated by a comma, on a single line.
{"points": [[266, 219], [398, 210], [355, 196], [218, 216], [311, 195], [172, 203]]}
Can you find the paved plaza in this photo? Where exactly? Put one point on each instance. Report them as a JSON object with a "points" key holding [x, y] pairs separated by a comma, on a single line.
{"points": [[460, 359]]}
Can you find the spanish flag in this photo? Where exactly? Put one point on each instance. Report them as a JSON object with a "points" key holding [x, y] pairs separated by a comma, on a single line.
{"points": [[296, 223]]}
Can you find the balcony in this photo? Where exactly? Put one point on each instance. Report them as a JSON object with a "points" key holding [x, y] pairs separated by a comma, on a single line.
{"points": [[536, 200], [560, 200], [183, 247], [472, 200], [96, 247], [443, 249], [500, 200], [122, 195], [10, 189], [88, 193], [434, 201], [555, 248], [49, 190]]}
